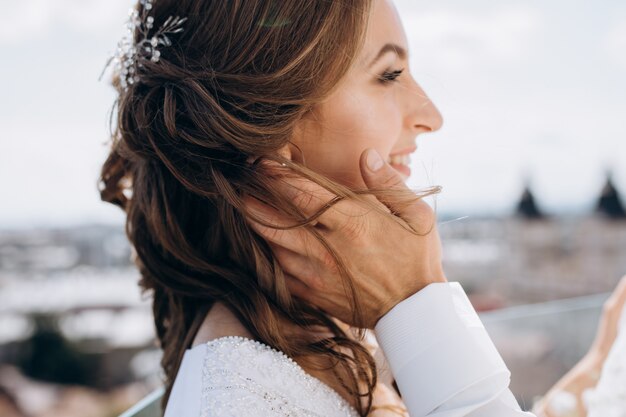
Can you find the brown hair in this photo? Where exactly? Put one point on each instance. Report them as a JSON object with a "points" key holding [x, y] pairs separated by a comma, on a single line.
{"points": [[231, 87]]}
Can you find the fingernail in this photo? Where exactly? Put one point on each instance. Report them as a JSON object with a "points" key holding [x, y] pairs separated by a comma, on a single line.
{"points": [[374, 160]]}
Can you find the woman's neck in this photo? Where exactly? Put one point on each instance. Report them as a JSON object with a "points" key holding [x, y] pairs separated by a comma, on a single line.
{"points": [[219, 322]]}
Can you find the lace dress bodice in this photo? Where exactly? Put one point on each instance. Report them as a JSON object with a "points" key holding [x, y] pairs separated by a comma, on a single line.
{"points": [[262, 381], [243, 377]]}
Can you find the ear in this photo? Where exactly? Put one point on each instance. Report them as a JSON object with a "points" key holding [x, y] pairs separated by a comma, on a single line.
{"points": [[285, 151], [291, 151]]}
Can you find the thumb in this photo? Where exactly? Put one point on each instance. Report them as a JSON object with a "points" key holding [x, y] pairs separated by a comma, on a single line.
{"points": [[379, 175]]}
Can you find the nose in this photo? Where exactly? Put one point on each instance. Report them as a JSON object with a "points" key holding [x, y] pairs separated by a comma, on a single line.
{"points": [[422, 114]]}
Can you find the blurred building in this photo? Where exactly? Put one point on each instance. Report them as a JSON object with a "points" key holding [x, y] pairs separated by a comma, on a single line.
{"points": [[533, 257], [610, 203]]}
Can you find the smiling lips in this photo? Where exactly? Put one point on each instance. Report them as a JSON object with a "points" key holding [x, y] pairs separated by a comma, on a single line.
{"points": [[401, 161]]}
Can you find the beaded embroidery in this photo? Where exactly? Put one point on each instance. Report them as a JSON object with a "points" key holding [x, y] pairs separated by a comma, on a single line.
{"points": [[246, 378]]}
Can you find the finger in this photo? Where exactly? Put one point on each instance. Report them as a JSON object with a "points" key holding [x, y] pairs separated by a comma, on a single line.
{"points": [[298, 266], [378, 174], [617, 299], [311, 197], [620, 291], [298, 288], [298, 240]]}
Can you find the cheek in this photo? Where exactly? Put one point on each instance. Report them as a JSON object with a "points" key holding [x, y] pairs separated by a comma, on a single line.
{"points": [[352, 123]]}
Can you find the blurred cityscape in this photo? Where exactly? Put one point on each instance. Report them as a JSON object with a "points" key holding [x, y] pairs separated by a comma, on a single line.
{"points": [[77, 339]]}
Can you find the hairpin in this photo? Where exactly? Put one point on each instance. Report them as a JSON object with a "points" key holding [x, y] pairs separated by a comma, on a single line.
{"points": [[129, 56]]}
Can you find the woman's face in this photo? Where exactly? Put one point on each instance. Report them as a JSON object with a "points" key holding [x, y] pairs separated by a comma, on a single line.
{"points": [[377, 105]]}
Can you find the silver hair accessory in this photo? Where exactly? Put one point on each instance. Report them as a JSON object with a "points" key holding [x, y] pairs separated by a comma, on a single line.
{"points": [[129, 56]]}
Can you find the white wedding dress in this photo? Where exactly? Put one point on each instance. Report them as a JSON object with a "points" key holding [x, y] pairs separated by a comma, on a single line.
{"points": [[438, 351]]}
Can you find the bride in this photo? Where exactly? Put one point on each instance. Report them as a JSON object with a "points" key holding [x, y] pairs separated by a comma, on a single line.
{"points": [[260, 154]]}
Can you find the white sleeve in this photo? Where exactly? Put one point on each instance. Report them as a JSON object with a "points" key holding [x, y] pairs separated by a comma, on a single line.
{"points": [[442, 358]]}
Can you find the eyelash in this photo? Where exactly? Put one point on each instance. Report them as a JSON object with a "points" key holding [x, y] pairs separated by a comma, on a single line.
{"points": [[389, 77]]}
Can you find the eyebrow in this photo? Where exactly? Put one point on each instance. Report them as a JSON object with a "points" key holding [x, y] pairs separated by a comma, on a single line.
{"points": [[389, 47]]}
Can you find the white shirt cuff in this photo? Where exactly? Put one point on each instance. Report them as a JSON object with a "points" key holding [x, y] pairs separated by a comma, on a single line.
{"points": [[437, 348]]}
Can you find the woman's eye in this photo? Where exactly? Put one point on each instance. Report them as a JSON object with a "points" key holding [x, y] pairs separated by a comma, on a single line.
{"points": [[390, 76]]}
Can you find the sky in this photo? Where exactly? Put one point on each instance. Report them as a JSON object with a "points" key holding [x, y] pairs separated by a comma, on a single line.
{"points": [[529, 90]]}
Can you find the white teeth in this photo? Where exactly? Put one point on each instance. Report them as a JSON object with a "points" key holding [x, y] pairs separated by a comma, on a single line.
{"points": [[403, 159]]}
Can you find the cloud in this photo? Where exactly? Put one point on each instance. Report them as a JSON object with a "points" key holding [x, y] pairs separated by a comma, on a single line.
{"points": [[460, 38], [615, 43], [27, 20]]}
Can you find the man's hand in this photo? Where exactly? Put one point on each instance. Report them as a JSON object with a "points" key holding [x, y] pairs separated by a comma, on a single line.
{"points": [[388, 262]]}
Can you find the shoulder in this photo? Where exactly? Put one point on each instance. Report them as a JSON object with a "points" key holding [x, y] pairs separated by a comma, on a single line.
{"points": [[219, 321], [243, 377]]}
